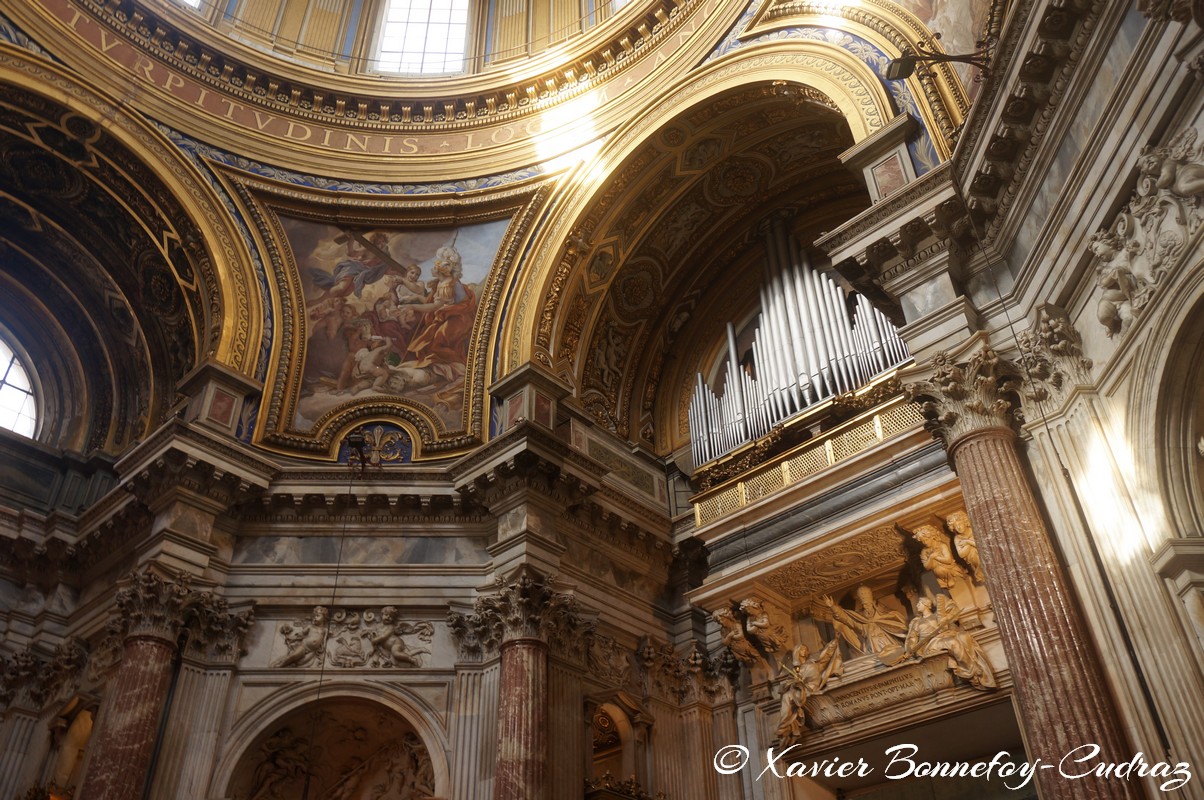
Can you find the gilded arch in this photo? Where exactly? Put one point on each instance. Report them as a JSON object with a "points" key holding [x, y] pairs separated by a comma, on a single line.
{"points": [[560, 307], [231, 325]]}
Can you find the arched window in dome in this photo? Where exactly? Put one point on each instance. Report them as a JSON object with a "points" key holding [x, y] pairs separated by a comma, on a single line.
{"points": [[425, 37], [18, 406]]}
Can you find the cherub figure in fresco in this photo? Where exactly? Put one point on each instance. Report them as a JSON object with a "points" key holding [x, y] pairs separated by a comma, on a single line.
{"points": [[367, 261], [366, 368]]}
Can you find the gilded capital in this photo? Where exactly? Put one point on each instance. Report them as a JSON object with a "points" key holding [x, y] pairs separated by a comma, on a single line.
{"points": [[960, 397]]}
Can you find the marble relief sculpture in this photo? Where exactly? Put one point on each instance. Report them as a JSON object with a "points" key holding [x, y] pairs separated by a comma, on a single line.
{"points": [[935, 630], [352, 638], [760, 628], [733, 636], [806, 675], [870, 627]]}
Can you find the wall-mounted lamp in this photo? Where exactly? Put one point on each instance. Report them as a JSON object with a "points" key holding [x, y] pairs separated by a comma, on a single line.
{"points": [[902, 67]]}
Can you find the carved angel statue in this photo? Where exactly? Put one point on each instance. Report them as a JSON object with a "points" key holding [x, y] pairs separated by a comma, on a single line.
{"points": [[733, 636], [871, 627], [1176, 166], [388, 648], [306, 642], [935, 632], [964, 543], [806, 676], [771, 637], [937, 555]]}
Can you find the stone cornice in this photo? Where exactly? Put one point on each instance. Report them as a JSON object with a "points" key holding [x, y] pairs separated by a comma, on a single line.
{"points": [[1040, 48]]}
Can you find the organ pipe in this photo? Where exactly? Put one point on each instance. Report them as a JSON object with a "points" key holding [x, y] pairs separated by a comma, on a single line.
{"points": [[806, 348]]}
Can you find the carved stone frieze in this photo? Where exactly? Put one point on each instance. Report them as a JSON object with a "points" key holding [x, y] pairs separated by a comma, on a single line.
{"points": [[525, 607], [608, 661], [961, 398], [683, 678], [1150, 234], [354, 638]]}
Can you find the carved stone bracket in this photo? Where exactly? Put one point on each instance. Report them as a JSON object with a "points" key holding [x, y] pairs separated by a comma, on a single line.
{"points": [[525, 607]]}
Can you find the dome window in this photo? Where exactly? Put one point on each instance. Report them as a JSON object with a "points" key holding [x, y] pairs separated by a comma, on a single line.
{"points": [[18, 406], [423, 37]]}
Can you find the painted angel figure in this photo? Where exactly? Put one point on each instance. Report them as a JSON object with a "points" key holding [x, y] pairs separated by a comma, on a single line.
{"points": [[806, 676], [870, 628]]}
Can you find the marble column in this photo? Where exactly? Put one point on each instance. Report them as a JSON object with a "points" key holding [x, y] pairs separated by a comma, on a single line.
{"points": [[518, 621], [1060, 688], [154, 611]]}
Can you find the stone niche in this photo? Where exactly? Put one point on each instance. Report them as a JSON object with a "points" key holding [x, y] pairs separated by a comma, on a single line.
{"points": [[345, 748]]}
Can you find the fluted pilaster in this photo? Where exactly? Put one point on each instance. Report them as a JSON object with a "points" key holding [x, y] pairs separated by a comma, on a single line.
{"points": [[1061, 692]]}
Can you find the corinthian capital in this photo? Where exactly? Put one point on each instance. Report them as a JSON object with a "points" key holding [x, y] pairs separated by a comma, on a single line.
{"points": [[214, 631], [153, 607], [524, 607], [1052, 355], [20, 680], [961, 396]]}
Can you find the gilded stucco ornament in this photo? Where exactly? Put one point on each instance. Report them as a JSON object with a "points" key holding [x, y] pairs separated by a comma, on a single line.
{"points": [[935, 630], [806, 675], [1150, 234]]}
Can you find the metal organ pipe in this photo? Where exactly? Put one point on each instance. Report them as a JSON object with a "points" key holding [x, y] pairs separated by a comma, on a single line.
{"points": [[806, 348]]}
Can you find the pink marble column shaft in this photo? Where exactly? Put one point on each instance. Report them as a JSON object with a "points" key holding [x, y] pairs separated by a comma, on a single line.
{"points": [[1063, 698], [125, 738], [522, 721]]}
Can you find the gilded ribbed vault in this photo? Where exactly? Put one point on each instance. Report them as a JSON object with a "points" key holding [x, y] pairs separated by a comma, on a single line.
{"points": [[667, 254]]}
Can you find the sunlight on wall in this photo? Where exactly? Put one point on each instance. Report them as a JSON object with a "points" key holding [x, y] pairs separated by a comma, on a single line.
{"points": [[569, 135], [1108, 478]]}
